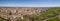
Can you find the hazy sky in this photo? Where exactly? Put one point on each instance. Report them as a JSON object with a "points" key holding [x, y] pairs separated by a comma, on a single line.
{"points": [[30, 3]]}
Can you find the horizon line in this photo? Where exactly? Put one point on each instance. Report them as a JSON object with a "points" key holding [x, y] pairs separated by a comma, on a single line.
{"points": [[23, 6]]}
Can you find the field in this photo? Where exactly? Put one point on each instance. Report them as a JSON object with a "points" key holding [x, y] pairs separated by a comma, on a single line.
{"points": [[30, 14]]}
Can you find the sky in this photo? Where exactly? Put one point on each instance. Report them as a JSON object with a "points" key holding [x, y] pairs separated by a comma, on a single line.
{"points": [[30, 3]]}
